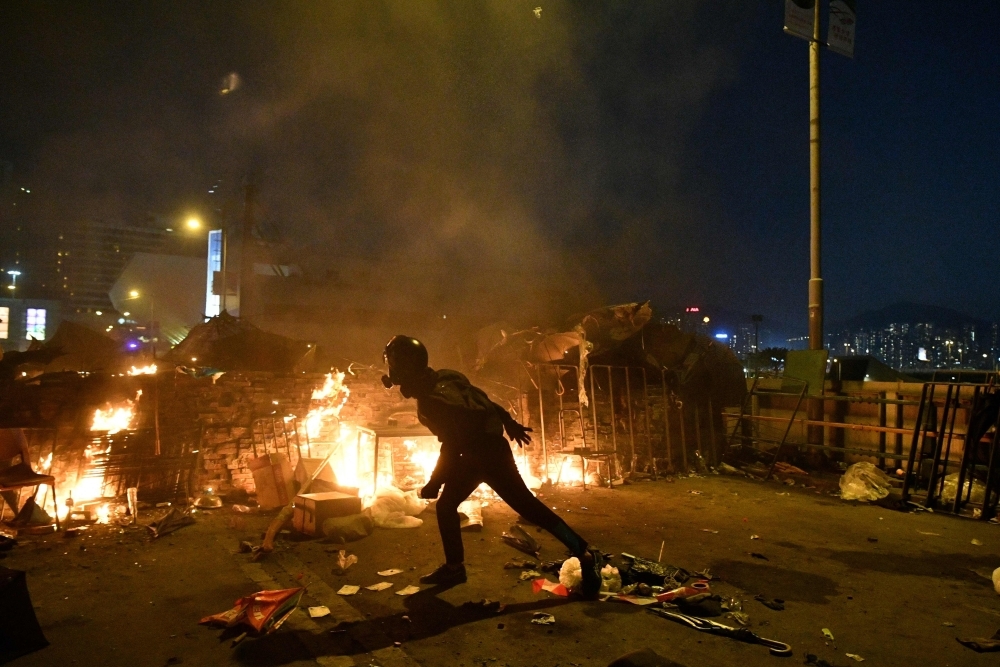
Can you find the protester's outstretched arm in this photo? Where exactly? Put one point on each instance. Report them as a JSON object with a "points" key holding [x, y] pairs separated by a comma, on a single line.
{"points": [[515, 430]]}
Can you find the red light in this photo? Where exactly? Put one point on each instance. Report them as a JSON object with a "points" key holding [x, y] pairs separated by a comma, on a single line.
{"points": [[693, 309]]}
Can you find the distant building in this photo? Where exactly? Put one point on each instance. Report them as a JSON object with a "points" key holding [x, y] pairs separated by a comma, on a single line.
{"points": [[25, 320], [922, 345]]}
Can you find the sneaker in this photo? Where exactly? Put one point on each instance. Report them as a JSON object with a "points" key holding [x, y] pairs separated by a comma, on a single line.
{"points": [[445, 576], [590, 565]]}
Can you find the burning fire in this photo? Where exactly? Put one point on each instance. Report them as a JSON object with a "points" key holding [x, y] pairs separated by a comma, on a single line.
{"points": [[143, 370], [115, 418], [330, 399]]}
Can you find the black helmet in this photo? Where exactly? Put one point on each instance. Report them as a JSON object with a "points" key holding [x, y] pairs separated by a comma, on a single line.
{"points": [[406, 358]]}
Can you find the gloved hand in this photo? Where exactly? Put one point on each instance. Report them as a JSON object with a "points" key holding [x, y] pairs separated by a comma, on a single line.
{"points": [[430, 491], [517, 432]]}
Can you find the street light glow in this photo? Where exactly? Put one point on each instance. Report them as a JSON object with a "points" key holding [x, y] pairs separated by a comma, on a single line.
{"points": [[193, 223], [134, 294]]}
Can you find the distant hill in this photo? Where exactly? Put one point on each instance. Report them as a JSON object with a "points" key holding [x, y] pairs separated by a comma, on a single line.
{"points": [[909, 313]]}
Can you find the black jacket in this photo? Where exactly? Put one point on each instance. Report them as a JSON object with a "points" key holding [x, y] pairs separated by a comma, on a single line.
{"points": [[469, 425]]}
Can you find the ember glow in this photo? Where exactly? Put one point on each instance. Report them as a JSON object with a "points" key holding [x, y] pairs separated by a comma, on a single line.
{"points": [[115, 418], [143, 370]]}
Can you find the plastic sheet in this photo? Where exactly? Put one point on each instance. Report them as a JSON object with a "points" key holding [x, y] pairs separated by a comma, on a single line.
{"points": [[863, 481]]}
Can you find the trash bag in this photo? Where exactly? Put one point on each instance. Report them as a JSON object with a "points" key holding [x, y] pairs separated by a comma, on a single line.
{"points": [[571, 574], [951, 485], [611, 580], [636, 570], [344, 529], [863, 481], [395, 509]]}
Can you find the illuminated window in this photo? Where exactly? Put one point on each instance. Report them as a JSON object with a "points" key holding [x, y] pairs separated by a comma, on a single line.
{"points": [[4, 320], [35, 324]]}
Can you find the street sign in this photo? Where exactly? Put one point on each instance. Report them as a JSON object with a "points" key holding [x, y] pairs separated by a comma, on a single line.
{"points": [[799, 18], [840, 33]]}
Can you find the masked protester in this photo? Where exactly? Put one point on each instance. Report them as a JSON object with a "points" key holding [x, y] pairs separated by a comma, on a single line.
{"points": [[473, 450]]}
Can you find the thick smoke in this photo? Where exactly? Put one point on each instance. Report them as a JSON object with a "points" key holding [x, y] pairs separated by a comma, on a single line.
{"points": [[491, 161]]}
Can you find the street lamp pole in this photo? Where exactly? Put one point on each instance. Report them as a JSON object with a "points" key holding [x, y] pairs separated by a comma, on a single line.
{"points": [[815, 230]]}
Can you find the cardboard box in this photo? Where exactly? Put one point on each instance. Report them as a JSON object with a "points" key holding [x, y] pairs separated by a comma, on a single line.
{"points": [[272, 476], [312, 509]]}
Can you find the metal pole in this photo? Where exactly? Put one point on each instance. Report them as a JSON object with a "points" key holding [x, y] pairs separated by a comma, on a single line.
{"points": [[541, 421], [815, 245], [631, 434], [815, 405], [246, 260]]}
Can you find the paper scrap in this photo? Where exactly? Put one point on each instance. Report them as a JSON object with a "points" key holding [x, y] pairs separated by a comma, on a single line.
{"points": [[348, 590], [389, 573], [976, 542], [640, 600], [380, 586], [934, 534], [409, 590], [828, 634], [541, 618], [319, 612], [855, 657], [551, 586]]}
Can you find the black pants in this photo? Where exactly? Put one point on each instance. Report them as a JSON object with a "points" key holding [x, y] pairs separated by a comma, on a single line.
{"points": [[498, 470]]}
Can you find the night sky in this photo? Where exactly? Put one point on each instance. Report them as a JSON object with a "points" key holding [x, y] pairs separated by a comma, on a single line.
{"points": [[623, 150]]}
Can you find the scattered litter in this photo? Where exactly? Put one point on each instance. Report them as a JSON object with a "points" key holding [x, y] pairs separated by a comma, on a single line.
{"points": [[694, 493], [948, 624], [788, 469], [570, 574], [709, 530], [976, 497], [727, 469], [782, 493], [864, 481], [541, 618], [640, 600], [552, 587], [171, 521], [755, 537], [754, 554], [389, 573], [348, 590], [976, 542], [873, 539], [242, 509], [682, 592], [996, 580], [319, 612], [471, 514], [705, 574], [776, 604], [520, 564], [855, 657], [611, 580], [529, 575], [409, 590], [828, 634], [344, 561], [380, 586], [981, 644], [521, 540], [270, 609], [740, 617], [934, 534]]}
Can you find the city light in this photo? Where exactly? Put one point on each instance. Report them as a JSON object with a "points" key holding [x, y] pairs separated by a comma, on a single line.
{"points": [[193, 223], [134, 294], [722, 336], [705, 319]]}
